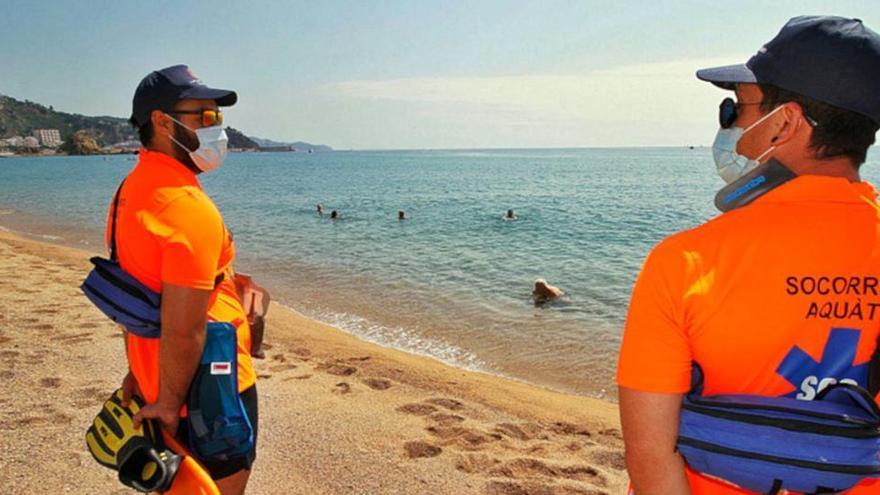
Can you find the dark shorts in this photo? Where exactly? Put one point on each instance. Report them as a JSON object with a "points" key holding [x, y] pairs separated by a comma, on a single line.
{"points": [[222, 469]]}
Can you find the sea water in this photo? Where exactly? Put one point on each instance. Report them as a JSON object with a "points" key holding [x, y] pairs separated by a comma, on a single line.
{"points": [[452, 281]]}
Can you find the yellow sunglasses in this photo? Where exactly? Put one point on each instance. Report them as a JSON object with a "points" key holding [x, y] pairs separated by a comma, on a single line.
{"points": [[210, 117]]}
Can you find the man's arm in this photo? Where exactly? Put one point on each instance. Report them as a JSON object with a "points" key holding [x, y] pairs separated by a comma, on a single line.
{"points": [[184, 321], [650, 429]]}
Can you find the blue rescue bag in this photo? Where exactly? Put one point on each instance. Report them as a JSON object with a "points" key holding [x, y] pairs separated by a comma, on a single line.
{"points": [[219, 427], [119, 295], [767, 444]]}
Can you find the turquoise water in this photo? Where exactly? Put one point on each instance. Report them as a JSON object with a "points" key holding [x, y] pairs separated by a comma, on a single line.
{"points": [[454, 280]]}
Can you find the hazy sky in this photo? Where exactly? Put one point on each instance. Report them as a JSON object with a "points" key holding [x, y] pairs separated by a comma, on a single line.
{"points": [[407, 74]]}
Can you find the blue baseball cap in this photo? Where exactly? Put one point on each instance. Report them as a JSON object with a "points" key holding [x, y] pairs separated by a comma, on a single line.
{"points": [[162, 89], [834, 60]]}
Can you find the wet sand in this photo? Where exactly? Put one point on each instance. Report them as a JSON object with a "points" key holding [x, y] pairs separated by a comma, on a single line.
{"points": [[337, 415]]}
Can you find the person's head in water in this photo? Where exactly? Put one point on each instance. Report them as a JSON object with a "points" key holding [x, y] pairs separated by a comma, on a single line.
{"points": [[320, 209], [334, 215], [544, 291], [401, 215], [510, 215], [176, 114]]}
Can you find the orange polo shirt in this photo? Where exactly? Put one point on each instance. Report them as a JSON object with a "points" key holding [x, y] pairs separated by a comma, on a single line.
{"points": [[169, 231], [777, 298]]}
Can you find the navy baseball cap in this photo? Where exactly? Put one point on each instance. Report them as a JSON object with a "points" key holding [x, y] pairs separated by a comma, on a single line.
{"points": [[830, 59], [162, 89]]}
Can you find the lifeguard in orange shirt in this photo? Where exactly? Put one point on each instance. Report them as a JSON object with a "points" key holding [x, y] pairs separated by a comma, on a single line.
{"points": [[779, 295], [171, 237]]}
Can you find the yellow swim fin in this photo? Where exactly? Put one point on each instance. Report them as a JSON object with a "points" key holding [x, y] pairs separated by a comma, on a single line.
{"points": [[147, 458]]}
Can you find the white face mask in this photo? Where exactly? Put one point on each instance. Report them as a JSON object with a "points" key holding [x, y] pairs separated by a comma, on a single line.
{"points": [[212, 146], [730, 164]]}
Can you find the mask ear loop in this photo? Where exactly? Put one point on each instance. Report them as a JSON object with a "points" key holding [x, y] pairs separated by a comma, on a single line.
{"points": [[172, 136], [747, 129], [762, 119]]}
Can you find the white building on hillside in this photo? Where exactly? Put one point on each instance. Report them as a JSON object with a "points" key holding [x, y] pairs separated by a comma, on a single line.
{"points": [[50, 138], [13, 142]]}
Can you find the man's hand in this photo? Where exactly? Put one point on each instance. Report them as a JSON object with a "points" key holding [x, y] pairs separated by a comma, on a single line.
{"points": [[168, 416], [129, 389]]}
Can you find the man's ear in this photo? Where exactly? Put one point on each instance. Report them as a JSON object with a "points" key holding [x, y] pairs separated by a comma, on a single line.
{"points": [[162, 124], [793, 114]]}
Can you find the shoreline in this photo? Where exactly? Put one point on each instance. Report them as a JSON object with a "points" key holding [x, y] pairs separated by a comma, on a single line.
{"points": [[40, 228], [338, 414]]}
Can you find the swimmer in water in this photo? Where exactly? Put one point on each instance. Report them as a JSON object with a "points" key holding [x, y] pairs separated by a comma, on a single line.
{"points": [[334, 215], [320, 209], [545, 292], [401, 215], [510, 215]]}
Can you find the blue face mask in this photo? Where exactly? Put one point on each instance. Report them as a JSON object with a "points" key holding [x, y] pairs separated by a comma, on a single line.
{"points": [[730, 164]]}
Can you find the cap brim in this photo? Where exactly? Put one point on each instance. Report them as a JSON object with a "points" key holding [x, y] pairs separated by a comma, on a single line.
{"points": [[223, 97], [728, 76]]}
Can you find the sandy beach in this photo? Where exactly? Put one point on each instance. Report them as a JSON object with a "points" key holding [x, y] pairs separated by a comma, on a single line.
{"points": [[337, 415]]}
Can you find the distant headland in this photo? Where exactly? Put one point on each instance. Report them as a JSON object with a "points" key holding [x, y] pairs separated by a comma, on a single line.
{"points": [[29, 128]]}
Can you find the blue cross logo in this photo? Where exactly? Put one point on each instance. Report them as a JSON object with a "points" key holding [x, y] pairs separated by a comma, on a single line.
{"points": [[810, 377]]}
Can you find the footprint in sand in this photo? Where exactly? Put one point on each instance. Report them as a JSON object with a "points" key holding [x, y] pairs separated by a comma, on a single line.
{"points": [[91, 397], [377, 383], [282, 367], [342, 388], [451, 404], [446, 419], [4, 339], [536, 488], [417, 409], [7, 375], [52, 382], [527, 468], [88, 324], [297, 377], [75, 338], [337, 369], [46, 311], [612, 432], [302, 352], [42, 326], [415, 450], [463, 438], [475, 463], [32, 420], [574, 447], [264, 376], [563, 428], [523, 432], [609, 458]]}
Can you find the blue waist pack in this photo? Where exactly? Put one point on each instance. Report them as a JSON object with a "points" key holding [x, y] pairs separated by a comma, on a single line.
{"points": [[119, 295], [219, 427], [767, 444]]}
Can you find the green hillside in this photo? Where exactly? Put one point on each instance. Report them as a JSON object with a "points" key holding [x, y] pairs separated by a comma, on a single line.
{"points": [[20, 118]]}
